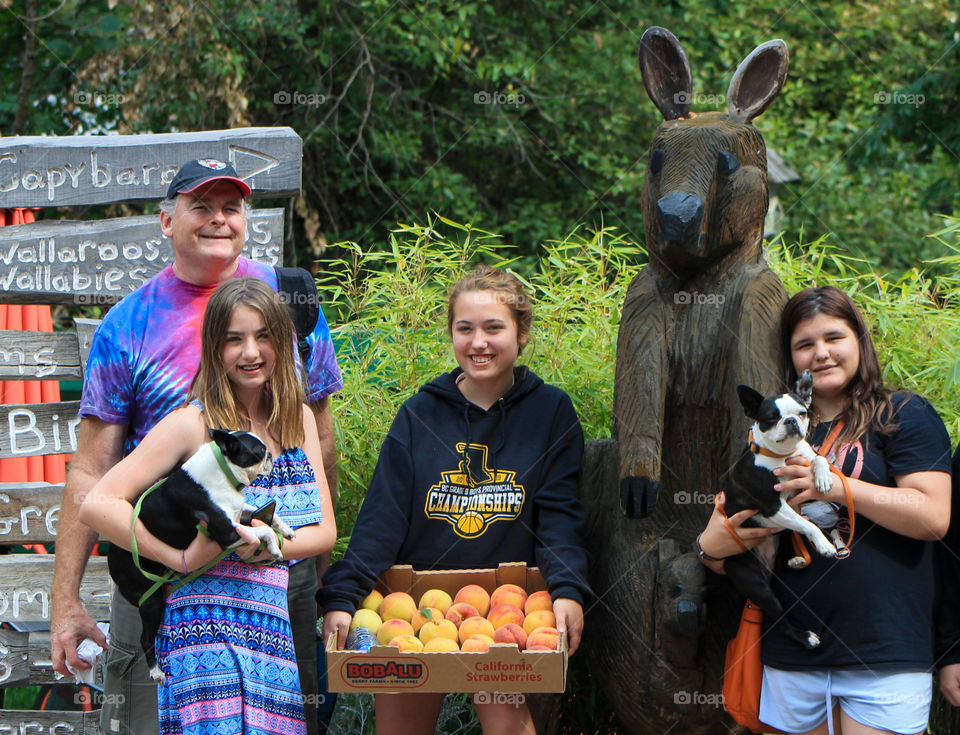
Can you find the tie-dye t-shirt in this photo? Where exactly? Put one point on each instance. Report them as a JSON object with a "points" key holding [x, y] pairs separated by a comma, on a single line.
{"points": [[145, 352]]}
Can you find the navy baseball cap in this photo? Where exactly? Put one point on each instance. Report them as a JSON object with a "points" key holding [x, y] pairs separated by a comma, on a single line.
{"points": [[202, 171]]}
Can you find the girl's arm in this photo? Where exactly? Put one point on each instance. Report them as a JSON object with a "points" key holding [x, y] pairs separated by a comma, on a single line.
{"points": [[315, 538], [716, 541], [108, 508], [918, 507], [917, 455]]}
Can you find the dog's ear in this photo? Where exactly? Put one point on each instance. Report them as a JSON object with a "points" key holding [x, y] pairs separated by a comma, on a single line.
{"points": [[804, 388], [750, 400], [221, 437]]}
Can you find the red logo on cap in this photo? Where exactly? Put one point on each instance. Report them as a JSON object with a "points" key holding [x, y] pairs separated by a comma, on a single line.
{"points": [[212, 163]]}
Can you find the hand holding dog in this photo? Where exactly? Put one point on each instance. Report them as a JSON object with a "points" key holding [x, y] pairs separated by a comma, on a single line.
{"points": [[717, 541], [797, 476]]}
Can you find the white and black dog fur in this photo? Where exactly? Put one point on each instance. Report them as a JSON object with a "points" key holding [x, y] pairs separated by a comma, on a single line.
{"points": [[197, 491], [779, 429]]}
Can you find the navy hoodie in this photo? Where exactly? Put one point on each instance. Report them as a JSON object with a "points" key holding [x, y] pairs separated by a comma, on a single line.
{"points": [[457, 487]]}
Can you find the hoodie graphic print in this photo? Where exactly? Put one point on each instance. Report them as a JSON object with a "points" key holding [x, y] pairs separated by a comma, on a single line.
{"points": [[458, 487]]}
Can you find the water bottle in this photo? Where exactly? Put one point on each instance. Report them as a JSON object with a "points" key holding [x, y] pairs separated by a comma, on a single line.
{"points": [[361, 639]]}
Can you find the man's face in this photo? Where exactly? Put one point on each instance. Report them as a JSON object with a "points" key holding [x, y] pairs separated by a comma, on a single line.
{"points": [[208, 224]]}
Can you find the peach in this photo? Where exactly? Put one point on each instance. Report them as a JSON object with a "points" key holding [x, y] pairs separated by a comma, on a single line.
{"points": [[440, 645], [460, 611], [423, 615], [511, 633], [398, 605], [407, 643], [478, 643], [431, 630], [365, 618], [475, 625], [508, 594], [539, 647], [537, 619], [372, 601], [503, 614], [436, 598], [544, 636], [475, 595], [391, 629], [538, 601]]}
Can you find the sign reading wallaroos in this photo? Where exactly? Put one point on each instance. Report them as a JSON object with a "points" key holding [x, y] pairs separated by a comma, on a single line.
{"points": [[37, 171], [101, 261]]}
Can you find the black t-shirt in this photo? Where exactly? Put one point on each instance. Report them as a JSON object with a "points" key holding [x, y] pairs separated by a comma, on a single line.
{"points": [[874, 608]]}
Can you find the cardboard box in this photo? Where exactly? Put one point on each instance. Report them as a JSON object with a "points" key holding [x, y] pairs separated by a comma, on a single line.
{"points": [[504, 668]]}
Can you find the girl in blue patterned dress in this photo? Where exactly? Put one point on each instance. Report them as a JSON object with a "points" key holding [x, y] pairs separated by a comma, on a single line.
{"points": [[225, 646]]}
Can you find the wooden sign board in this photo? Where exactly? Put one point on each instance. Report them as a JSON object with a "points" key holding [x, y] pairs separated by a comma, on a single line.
{"points": [[25, 660], [25, 581], [30, 430], [29, 512], [101, 261], [36, 722], [39, 356], [41, 171], [45, 355]]}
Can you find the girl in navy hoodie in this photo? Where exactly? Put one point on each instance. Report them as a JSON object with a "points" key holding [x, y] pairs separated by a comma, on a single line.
{"points": [[480, 467]]}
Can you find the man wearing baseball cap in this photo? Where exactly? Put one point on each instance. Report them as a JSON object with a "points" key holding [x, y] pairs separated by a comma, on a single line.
{"points": [[142, 359]]}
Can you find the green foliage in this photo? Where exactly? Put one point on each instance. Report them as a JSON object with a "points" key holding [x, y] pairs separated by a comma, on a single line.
{"points": [[388, 311], [530, 117]]}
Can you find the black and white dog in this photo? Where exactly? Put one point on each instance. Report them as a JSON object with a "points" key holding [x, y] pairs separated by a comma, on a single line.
{"points": [[206, 489], [778, 433]]}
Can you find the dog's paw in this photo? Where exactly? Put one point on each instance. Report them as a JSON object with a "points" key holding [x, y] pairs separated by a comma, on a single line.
{"points": [[813, 640], [797, 562], [156, 673], [284, 530], [821, 475], [638, 496], [824, 547]]}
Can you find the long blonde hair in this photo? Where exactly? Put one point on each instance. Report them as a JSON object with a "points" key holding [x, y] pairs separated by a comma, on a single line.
{"points": [[213, 389]]}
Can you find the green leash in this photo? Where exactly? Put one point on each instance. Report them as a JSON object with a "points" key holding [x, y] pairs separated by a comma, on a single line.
{"points": [[160, 580]]}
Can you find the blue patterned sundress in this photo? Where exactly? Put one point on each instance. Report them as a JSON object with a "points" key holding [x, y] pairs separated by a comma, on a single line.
{"points": [[225, 644]]}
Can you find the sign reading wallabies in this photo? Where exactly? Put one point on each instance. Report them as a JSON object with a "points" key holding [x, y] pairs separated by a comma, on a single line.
{"points": [[474, 495]]}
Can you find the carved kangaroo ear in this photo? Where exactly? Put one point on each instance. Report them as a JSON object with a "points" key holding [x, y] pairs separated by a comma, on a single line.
{"points": [[666, 72], [757, 81]]}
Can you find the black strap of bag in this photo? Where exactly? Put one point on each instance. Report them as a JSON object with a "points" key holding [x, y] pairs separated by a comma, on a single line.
{"points": [[299, 292]]}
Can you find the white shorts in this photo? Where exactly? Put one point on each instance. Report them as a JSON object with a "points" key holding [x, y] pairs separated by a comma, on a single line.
{"points": [[799, 701]]}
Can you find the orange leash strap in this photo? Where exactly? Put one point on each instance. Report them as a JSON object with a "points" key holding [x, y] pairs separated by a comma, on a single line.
{"points": [[728, 525], [798, 546]]}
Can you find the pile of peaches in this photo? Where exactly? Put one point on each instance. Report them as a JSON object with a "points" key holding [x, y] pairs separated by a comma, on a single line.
{"points": [[471, 621]]}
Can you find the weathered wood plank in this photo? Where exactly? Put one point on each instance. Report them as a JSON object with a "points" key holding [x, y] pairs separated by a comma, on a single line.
{"points": [[28, 430], [38, 171], [39, 355], [101, 261], [29, 512], [25, 660], [25, 581], [85, 329], [36, 722]]}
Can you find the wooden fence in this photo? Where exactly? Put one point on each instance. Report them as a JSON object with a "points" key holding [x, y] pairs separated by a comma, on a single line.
{"points": [[88, 263]]}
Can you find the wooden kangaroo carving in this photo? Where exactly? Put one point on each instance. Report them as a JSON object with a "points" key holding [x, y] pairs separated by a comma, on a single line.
{"points": [[697, 321]]}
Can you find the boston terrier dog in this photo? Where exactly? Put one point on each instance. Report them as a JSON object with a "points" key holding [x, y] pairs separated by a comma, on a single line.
{"points": [[208, 487], [778, 433]]}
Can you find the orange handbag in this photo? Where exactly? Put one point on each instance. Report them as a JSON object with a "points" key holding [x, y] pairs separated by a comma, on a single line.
{"points": [[743, 671]]}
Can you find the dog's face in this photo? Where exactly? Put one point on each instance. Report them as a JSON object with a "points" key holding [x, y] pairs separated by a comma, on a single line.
{"points": [[782, 419], [246, 453]]}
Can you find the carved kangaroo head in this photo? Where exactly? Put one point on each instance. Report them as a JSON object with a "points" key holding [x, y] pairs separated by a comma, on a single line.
{"points": [[705, 192]]}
